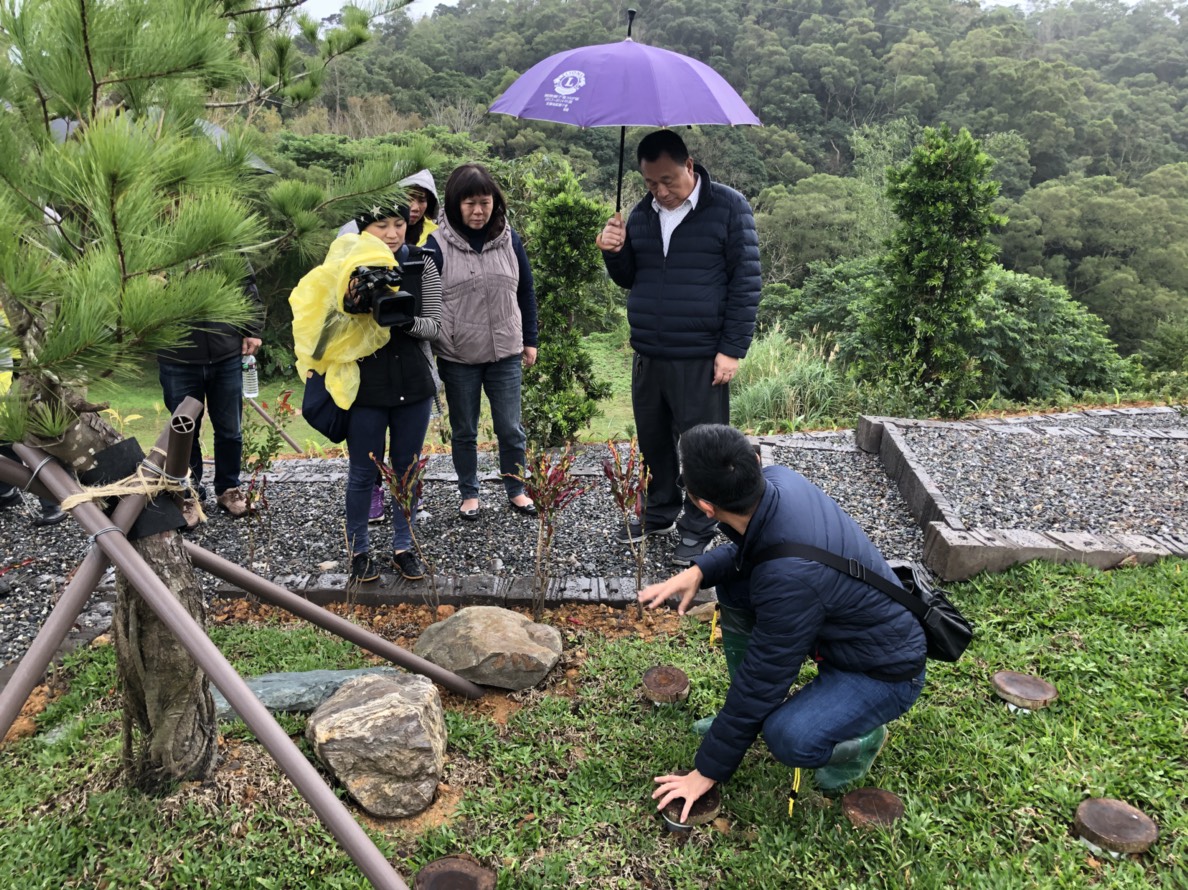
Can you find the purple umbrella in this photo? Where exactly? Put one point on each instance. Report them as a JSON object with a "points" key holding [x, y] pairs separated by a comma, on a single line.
{"points": [[624, 84]]}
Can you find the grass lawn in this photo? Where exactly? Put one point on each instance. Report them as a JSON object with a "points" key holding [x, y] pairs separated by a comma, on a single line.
{"points": [[137, 409], [558, 796]]}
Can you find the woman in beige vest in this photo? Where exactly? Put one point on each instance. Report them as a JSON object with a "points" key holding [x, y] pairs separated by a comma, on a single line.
{"points": [[488, 329]]}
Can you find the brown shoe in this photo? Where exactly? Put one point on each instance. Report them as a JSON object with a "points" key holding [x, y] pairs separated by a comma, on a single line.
{"points": [[191, 513], [234, 502]]}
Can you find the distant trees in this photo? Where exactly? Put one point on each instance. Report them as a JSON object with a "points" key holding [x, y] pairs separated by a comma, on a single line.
{"points": [[1081, 105], [1121, 249]]}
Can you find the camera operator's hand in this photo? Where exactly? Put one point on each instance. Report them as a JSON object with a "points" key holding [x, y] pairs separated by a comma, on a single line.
{"points": [[357, 300]]}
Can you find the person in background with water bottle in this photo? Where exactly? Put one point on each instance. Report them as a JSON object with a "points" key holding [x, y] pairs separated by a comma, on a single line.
{"points": [[212, 366]]}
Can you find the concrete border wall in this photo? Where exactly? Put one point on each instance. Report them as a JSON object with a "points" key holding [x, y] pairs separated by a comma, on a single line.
{"points": [[955, 552]]}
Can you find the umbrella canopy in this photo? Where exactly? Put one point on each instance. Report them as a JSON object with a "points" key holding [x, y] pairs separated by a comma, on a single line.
{"points": [[624, 84]]}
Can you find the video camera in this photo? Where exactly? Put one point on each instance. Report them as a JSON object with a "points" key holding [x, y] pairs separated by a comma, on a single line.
{"points": [[391, 295]]}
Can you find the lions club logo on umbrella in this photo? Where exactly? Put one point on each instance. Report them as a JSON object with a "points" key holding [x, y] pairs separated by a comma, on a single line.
{"points": [[569, 82]]}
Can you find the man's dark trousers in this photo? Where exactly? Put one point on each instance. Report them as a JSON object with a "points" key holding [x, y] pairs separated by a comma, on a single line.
{"points": [[220, 385], [669, 396]]}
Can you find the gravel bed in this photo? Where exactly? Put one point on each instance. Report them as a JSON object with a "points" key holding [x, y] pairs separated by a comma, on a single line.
{"points": [[38, 560], [1092, 483], [1116, 419], [303, 532], [1100, 484], [856, 480]]}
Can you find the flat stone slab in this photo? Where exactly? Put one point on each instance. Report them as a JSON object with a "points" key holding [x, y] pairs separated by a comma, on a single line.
{"points": [[296, 692]]}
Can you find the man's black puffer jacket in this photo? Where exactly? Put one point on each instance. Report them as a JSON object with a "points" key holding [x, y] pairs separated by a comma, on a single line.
{"points": [[702, 298]]}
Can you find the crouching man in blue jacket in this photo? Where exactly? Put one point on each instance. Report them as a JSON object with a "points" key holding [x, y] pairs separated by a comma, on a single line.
{"points": [[778, 611]]}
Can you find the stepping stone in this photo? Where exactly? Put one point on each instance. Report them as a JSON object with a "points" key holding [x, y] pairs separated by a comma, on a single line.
{"points": [[872, 808], [458, 872], [706, 809], [666, 685], [1024, 690], [1115, 826]]}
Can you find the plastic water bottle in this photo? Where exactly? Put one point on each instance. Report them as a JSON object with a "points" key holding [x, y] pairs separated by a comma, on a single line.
{"points": [[251, 383]]}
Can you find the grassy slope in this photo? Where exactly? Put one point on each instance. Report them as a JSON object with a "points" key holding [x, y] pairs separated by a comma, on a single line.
{"points": [[559, 797]]}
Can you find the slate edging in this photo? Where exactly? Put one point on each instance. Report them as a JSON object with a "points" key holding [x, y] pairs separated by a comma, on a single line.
{"points": [[453, 590]]}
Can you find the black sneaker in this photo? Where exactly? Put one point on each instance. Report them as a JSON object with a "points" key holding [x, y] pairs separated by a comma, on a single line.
{"points": [[363, 568], [11, 498], [637, 531], [50, 516], [687, 548], [408, 565]]}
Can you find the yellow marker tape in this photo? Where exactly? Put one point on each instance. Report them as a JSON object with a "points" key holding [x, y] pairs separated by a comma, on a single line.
{"points": [[713, 626]]}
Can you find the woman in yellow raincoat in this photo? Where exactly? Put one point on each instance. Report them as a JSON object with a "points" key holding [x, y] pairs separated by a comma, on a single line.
{"points": [[383, 375]]}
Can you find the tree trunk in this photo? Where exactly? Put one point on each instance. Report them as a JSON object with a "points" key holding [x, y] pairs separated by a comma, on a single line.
{"points": [[166, 695]]}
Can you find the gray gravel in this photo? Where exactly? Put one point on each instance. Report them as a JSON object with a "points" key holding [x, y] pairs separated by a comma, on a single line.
{"points": [[1098, 483], [1090, 483]]}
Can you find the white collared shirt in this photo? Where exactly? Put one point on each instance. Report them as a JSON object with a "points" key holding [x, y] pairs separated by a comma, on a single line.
{"points": [[670, 219]]}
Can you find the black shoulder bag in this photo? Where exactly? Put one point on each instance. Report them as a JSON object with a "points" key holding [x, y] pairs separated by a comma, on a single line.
{"points": [[946, 630]]}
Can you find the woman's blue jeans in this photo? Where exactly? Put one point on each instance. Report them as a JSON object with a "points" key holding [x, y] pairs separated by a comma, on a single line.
{"points": [[464, 385], [835, 706], [366, 430]]}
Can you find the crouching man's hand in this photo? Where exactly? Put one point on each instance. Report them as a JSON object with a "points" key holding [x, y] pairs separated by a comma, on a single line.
{"points": [[690, 786], [684, 584]]}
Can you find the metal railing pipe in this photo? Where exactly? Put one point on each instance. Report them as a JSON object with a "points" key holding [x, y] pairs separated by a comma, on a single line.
{"points": [[37, 657], [16, 473], [190, 634], [364, 639]]}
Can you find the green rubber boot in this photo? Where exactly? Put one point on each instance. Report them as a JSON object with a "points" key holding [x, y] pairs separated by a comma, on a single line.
{"points": [[736, 635], [850, 761]]}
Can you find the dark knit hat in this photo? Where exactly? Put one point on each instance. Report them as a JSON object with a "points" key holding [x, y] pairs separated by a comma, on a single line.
{"points": [[381, 211]]}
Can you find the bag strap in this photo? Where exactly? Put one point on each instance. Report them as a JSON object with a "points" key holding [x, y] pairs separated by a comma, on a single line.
{"points": [[851, 567]]}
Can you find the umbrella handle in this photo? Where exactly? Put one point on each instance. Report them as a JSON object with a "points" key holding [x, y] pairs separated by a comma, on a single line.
{"points": [[618, 217]]}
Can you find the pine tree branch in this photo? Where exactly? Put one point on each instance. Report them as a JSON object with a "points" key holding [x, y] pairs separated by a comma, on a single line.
{"points": [[262, 95], [286, 5], [86, 39], [57, 223], [154, 75]]}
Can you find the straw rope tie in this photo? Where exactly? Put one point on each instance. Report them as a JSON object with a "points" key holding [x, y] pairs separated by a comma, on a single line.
{"points": [[148, 480]]}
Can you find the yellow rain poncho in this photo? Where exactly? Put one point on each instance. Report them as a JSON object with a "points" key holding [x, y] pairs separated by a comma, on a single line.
{"points": [[325, 338]]}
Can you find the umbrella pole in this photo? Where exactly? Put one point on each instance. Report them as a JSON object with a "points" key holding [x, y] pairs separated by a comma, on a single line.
{"points": [[619, 191], [623, 136]]}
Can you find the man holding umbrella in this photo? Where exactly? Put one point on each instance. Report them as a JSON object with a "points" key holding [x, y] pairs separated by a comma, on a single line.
{"points": [[689, 255]]}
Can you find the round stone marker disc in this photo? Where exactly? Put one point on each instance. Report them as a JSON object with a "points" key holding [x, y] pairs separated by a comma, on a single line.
{"points": [[704, 810], [1024, 690], [866, 807], [459, 872], [666, 684], [1114, 825]]}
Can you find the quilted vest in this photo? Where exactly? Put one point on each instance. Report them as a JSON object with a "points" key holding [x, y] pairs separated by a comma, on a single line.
{"points": [[480, 317]]}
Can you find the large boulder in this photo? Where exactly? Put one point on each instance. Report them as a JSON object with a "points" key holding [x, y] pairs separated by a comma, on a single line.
{"points": [[492, 647], [384, 739]]}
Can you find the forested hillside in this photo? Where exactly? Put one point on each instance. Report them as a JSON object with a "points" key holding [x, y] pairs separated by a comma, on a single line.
{"points": [[1081, 104]]}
